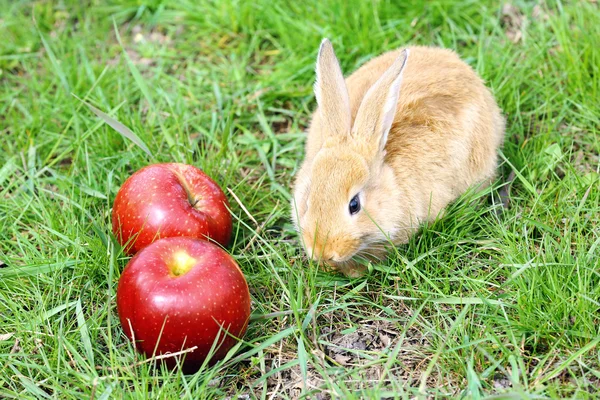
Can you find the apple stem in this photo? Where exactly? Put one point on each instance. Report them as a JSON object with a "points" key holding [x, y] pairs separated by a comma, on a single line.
{"points": [[191, 199]]}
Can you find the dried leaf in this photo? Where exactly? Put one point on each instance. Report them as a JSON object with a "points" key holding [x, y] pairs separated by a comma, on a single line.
{"points": [[342, 360], [385, 339], [16, 348]]}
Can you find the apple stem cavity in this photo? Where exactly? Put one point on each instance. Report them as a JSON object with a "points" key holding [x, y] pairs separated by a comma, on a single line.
{"points": [[182, 263]]}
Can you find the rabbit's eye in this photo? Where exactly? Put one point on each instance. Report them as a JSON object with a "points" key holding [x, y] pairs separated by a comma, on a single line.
{"points": [[354, 205]]}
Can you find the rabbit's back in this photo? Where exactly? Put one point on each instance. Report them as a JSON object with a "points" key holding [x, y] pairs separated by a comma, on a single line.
{"points": [[446, 131]]}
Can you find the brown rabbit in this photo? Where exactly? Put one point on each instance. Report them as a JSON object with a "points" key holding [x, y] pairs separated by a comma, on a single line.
{"points": [[388, 148]]}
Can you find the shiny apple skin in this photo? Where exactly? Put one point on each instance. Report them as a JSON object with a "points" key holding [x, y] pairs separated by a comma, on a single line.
{"points": [[153, 203], [190, 308]]}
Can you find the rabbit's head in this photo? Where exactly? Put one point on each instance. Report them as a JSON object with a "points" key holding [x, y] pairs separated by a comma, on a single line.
{"points": [[345, 198]]}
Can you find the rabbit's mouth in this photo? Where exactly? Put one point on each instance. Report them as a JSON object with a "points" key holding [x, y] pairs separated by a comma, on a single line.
{"points": [[340, 260], [355, 265], [350, 267], [362, 255]]}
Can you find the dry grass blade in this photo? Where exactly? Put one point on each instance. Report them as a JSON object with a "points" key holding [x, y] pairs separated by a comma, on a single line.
{"points": [[242, 206], [119, 127], [166, 355]]}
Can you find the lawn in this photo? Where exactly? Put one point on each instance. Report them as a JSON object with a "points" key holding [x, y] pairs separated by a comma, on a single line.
{"points": [[499, 297]]}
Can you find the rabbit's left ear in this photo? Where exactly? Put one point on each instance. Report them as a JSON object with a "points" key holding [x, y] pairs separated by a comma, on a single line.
{"points": [[378, 108], [331, 92]]}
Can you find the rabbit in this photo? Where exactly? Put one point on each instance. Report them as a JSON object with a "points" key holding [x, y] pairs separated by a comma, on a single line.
{"points": [[387, 149]]}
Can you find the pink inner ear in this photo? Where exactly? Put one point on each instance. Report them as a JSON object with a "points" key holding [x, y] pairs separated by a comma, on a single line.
{"points": [[377, 110], [389, 110]]}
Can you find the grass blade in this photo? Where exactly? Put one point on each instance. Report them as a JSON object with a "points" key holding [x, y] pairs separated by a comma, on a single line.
{"points": [[30, 386], [467, 301], [273, 339], [519, 175], [50, 313], [7, 170], [55, 64], [303, 360], [141, 83], [119, 127], [310, 314], [29, 270], [585, 349], [134, 71], [83, 330], [107, 392]]}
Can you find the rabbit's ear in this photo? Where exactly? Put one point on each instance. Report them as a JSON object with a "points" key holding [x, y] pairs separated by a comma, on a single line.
{"points": [[331, 92], [378, 108]]}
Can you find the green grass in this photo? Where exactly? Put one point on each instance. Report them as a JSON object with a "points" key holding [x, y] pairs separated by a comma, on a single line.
{"points": [[484, 302]]}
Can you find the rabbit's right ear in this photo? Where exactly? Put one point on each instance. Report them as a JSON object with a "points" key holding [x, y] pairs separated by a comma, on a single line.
{"points": [[378, 108], [331, 92]]}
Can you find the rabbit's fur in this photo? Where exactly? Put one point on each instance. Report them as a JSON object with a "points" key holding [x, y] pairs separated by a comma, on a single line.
{"points": [[408, 132]]}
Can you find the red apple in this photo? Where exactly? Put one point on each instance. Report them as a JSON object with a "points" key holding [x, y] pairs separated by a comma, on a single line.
{"points": [[178, 293], [166, 200]]}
